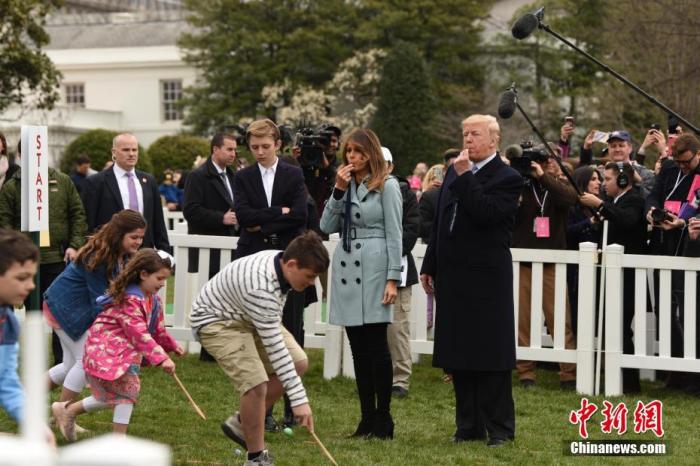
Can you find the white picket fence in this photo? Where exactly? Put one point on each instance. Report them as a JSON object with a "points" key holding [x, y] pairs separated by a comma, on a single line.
{"points": [[543, 347], [645, 356]]}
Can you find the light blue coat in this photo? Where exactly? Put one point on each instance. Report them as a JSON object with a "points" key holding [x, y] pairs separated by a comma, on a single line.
{"points": [[359, 277]]}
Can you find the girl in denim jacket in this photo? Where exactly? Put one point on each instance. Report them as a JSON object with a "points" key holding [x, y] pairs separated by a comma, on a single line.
{"points": [[129, 329], [70, 305]]}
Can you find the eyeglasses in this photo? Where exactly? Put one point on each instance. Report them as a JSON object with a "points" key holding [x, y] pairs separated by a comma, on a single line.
{"points": [[685, 163]]}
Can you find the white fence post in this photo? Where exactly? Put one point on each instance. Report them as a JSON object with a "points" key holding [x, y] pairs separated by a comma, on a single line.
{"points": [[585, 339], [19, 451], [613, 319], [112, 449]]}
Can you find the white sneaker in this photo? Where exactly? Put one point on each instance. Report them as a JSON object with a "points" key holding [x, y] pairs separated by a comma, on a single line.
{"points": [[263, 460]]}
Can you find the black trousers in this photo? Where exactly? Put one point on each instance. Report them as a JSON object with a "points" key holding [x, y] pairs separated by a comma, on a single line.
{"points": [[484, 405]]}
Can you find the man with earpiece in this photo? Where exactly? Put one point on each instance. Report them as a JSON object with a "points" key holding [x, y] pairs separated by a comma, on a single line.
{"points": [[624, 211]]}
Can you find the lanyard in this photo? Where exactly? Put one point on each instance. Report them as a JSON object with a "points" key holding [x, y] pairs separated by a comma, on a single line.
{"points": [[537, 199], [679, 180]]}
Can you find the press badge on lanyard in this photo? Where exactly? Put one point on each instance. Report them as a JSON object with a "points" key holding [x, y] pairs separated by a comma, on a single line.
{"points": [[674, 206], [541, 225]]}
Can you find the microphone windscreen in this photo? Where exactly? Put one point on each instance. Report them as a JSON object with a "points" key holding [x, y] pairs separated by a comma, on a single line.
{"points": [[506, 107], [524, 26]]}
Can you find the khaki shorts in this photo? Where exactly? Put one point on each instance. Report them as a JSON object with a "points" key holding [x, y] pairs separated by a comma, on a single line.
{"points": [[238, 349]]}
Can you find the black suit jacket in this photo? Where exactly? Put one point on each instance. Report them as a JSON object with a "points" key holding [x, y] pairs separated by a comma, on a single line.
{"points": [[469, 257], [627, 222], [102, 199], [206, 200], [250, 205]]}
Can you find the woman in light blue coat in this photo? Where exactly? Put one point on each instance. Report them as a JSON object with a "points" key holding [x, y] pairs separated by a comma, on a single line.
{"points": [[366, 207]]}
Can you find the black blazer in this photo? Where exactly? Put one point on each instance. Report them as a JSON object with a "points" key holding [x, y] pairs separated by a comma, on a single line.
{"points": [[206, 200], [627, 222], [469, 258], [102, 199], [250, 205]]}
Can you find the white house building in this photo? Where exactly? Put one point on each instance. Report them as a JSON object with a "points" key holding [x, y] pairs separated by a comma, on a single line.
{"points": [[121, 71]]}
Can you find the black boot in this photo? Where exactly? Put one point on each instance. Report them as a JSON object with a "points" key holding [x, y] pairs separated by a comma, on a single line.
{"points": [[383, 377], [365, 389], [383, 426]]}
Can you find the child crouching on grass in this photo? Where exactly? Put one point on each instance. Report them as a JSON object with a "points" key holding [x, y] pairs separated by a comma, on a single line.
{"points": [[129, 328], [18, 263]]}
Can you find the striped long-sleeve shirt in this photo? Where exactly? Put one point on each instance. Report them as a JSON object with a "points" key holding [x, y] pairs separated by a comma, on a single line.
{"points": [[253, 290]]}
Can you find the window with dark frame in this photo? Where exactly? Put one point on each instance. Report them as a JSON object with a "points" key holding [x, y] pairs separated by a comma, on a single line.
{"points": [[75, 94], [171, 95]]}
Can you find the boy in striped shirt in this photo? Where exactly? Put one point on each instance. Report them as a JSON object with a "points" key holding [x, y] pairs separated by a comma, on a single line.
{"points": [[237, 317]]}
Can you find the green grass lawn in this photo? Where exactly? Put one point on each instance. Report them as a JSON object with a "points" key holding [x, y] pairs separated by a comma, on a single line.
{"points": [[424, 422]]}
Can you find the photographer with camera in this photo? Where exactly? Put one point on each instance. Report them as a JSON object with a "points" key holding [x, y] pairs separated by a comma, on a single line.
{"points": [[541, 224], [620, 149], [665, 207], [315, 150], [624, 211]]}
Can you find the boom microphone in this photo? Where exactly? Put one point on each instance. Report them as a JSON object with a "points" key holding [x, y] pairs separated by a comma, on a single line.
{"points": [[527, 23], [506, 107]]}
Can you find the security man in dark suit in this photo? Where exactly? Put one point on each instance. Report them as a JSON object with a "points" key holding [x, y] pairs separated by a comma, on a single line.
{"points": [[270, 203], [208, 198], [469, 267], [123, 187], [624, 211]]}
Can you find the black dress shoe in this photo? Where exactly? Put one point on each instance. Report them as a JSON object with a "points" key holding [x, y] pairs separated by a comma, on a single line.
{"points": [[497, 442], [399, 392], [568, 385], [527, 383], [459, 439], [270, 424]]}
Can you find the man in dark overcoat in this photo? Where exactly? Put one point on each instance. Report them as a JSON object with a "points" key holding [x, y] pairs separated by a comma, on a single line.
{"points": [[469, 267], [208, 198]]}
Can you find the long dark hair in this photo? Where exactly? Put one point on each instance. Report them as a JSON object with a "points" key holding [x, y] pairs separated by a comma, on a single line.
{"points": [[146, 260], [370, 146], [105, 246], [582, 176]]}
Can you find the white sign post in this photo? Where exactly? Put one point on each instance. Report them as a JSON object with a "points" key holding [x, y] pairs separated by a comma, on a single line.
{"points": [[35, 219], [35, 178]]}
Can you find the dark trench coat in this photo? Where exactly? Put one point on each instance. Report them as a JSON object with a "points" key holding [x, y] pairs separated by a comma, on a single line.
{"points": [[473, 270]]}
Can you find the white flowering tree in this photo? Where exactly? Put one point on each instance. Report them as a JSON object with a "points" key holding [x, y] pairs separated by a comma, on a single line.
{"points": [[348, 100]]}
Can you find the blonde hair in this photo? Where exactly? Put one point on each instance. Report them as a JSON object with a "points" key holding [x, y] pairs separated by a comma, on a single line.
{"points": [[368, 143], [430, 176], [491, 124], [261, 129]]}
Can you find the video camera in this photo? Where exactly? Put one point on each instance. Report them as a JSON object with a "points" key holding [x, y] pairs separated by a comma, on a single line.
{"points": [[313, 144], [523, 164]]}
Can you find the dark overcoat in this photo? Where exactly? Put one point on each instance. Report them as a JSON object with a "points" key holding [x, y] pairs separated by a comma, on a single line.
{"points": [[469, 258], [206, 200]]}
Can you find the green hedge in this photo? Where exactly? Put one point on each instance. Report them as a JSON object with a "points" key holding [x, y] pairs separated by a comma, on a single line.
{"points": [[97, 144], [176, 152]]}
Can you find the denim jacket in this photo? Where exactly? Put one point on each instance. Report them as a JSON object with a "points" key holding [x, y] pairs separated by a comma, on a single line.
{"points": [[72, 297]]}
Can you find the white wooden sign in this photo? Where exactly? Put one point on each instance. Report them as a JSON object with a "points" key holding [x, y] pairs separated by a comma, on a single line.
{"points": [[35, 178]]}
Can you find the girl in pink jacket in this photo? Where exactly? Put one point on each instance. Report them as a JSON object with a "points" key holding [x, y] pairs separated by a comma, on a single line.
{"points": [[129, 329]]}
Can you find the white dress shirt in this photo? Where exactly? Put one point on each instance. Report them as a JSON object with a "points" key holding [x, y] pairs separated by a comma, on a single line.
{"points": [[122, 182], [268, 179]]}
